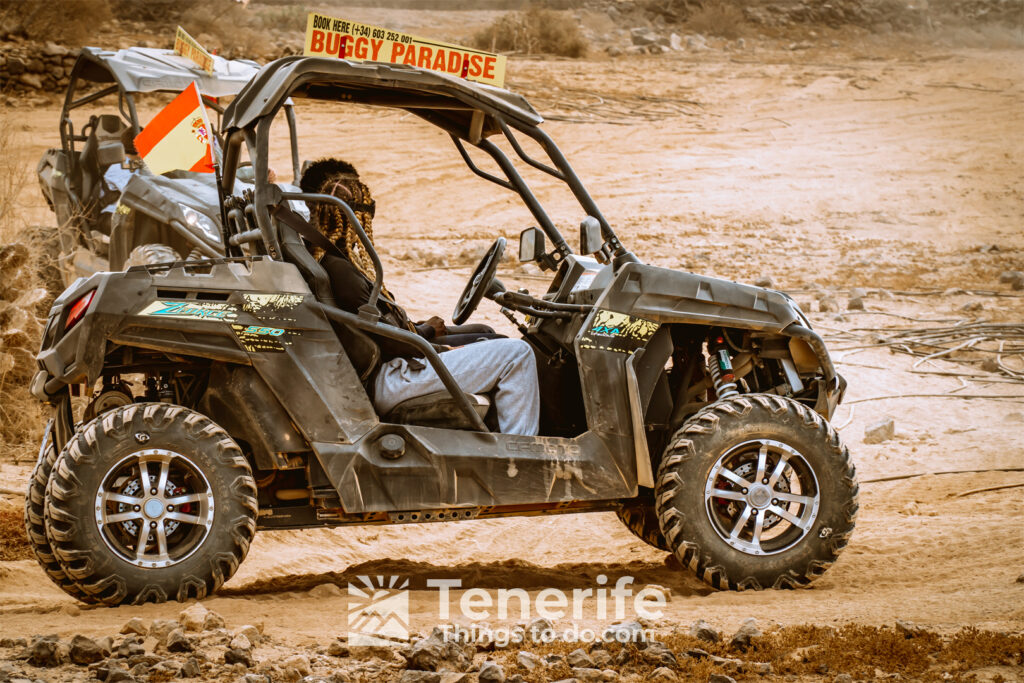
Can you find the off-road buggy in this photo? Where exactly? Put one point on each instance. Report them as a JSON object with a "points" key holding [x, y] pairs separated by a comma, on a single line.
{"points": [[228, 395], [155, 218]]}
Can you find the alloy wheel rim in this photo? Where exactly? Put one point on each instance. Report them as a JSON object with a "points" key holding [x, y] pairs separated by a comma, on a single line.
{"points": [[154, 508], [762, 497]]}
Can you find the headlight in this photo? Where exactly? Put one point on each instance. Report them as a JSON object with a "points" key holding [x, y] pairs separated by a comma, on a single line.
{"points": [[202, 223]]}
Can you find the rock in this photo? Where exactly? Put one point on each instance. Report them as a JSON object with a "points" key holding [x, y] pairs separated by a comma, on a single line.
{"points": [[594, 675], [643, 36], [658, 654], [1017, 284], [256, 678], [177, 641], [827, 304], [973, 307], [31, 80], [70, 610], [338, 648], [741, 639], [909, 629], [858, 293], [193, 617], [43, 651], [118, 674], [880, 430], [491, 672], [1020, 579], [760, 668], [540, 630], [696, 42], [702, 630], [135, 626], [13, 642], [165, 670], [625, 632], [662, 675], [325, 590], [130, 646], [53, 50], [855, 304], [529, 661], [161, 628], [437, 652], [665, 592], [579, 658], [843, 678], [238, 656], [191, 669], [411, 676], [613, 51], [1009, 276], [675, 41], [84, 651], [602, 658], [240, 642], [720, 678], [213, 621], [250, 632], [764, 281], [298, 662]]}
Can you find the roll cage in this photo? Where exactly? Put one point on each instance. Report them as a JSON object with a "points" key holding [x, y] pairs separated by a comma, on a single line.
{"points": [[468, 112], [130, 71]]}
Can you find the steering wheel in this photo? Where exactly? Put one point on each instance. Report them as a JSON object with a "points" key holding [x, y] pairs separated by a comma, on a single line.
{"points": [[479, 282]]}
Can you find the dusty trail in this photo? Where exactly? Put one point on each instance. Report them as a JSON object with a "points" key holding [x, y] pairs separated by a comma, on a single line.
{"points": [[861, 167]]}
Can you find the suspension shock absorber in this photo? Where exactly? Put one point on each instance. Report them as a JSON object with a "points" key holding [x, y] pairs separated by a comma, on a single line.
{"points": [[720, 368]]}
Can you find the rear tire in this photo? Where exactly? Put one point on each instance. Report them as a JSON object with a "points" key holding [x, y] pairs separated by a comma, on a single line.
{"points": [[757, 491], [641, 519], [151, 254], [150, 502], [35, 528]]}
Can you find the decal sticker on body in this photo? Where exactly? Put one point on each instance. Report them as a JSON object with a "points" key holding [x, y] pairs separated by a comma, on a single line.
{"points": [[192, 310], [617, 332], [258, 339]]}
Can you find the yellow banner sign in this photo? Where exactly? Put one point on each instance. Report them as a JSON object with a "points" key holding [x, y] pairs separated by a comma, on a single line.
{"points": [[187, 46], [331, 37]]}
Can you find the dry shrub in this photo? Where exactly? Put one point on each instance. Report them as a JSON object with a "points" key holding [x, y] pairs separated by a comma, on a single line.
{"points": [[67, 21], [23, 300], [536, 29], [717, 18], [13, 541]]}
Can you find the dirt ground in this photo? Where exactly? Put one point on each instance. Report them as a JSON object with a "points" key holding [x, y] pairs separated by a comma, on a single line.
{"points": [[892, 166]]}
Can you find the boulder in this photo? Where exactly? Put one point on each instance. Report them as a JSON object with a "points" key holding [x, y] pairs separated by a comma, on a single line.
{"points": [[741, 639], [44, 651], [491, 672], [658, 654], [239, 656], [436, 652], [84, 651], [702, 630], [161, 628], [193, 617], [579, 659], [136, 626], [191, 669], [529, 661], [880, 430], [213, 621], [177, 641]]}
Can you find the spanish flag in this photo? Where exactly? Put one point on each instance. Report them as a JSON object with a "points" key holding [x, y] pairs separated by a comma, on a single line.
{"points": [[179, 137]]}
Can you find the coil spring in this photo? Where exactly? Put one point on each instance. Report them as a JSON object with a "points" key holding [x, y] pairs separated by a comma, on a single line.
{"points": [[723, 388]]}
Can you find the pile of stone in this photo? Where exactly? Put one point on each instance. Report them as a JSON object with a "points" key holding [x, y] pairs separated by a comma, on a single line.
{"points": [[26, 66]]}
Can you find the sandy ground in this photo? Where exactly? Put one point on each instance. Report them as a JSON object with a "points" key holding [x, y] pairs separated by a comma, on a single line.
{"points": [[861, 165]]}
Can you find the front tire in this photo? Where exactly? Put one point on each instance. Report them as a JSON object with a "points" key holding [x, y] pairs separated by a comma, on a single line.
{"points": [[150, 502], [757, 491]]}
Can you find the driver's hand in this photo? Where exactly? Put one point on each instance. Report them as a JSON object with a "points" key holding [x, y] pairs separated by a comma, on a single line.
{"points": [[438, 324]]}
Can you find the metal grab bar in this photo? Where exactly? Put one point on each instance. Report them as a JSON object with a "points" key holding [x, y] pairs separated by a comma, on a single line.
{"points": [[422, 345], [378, 269]]}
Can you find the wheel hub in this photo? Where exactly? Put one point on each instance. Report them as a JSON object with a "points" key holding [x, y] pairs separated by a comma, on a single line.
{"points": [[154, 508], [760, 496]]}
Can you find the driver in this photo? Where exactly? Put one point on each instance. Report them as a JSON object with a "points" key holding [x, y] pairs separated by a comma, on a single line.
{"points": [[507, 365]]}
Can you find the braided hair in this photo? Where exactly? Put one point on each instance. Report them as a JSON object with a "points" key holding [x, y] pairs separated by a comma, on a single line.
{"points": [[340, 179]]}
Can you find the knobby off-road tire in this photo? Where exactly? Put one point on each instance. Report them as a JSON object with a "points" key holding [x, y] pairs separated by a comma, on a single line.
{"points": [[708, 479], [151, 254], [640, 518], [35, 528], [150, 502]]}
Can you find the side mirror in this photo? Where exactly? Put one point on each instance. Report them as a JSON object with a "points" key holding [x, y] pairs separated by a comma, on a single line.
{"points": [[531, 245], [591, 239], [110, 153]]}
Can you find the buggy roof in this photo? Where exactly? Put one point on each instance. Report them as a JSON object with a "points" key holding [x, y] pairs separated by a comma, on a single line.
{"points": [[378, 83], [145, 69]]}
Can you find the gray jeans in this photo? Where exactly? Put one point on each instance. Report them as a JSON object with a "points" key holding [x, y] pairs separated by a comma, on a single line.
{"points": [[508, 364]]}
